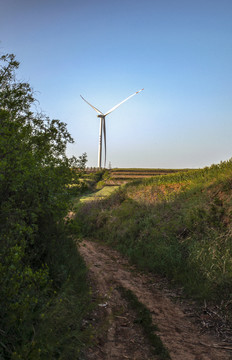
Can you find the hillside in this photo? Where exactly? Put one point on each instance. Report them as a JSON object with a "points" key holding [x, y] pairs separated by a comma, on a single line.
{"points": [[177, 225]]}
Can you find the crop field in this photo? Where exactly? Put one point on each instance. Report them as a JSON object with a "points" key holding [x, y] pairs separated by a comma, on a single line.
{"points": [[125, 175], [146, 170]]}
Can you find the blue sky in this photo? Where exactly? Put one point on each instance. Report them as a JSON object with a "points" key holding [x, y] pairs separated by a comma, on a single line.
{"points": [[179, 51]]}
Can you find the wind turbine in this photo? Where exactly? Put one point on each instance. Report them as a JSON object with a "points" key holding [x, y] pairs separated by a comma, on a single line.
{"points": [[102, 128]]}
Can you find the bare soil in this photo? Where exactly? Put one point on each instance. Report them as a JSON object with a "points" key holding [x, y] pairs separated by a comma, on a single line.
{"points": [[118, 336]]}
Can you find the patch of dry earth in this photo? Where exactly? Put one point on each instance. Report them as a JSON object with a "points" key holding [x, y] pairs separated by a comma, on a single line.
{"points": [[122, 338]]}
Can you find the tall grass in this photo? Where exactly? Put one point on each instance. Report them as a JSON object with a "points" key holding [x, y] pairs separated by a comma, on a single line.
{"points": [[178, 225]]}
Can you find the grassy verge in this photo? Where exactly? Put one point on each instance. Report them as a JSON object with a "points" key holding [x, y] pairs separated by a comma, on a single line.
{"points": [[61, 334], [99, 195], [144, 319], [178, 225], [45, 320]]}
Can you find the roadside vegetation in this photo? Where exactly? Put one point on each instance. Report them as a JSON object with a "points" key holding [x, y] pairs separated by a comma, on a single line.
{"points": [[44, 294], [143, 317], [91, 186], [101, 194], [177, 225]]}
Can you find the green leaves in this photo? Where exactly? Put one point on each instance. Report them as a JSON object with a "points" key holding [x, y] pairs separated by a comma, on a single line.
{"points": [[34, 198]]}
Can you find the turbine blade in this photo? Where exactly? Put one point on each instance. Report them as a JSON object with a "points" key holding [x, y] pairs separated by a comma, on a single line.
{"points": [[104, 132], [116, 106], [98, 111]]}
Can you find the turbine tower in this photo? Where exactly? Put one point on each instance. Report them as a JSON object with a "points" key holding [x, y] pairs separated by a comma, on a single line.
{"points": [[102, 128]]}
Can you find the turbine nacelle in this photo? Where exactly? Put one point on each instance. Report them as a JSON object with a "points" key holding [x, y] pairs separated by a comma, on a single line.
{"points": [[103, 124]]}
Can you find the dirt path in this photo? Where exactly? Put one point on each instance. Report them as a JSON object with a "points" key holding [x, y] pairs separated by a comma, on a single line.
{"points": [[122, 338]]}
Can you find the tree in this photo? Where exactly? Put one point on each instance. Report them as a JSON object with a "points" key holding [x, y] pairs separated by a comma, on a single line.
{"points": [[34, 177], [82, 161]]}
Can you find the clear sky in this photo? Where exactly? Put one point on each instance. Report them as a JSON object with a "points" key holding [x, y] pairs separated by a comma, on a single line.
{"points": [[179, 51]]}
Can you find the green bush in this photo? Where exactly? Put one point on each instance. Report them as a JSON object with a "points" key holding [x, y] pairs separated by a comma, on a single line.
{"points": [[42, 278]]}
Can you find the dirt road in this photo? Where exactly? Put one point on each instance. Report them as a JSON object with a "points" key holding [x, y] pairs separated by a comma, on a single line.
{"points": [[118, 336]]}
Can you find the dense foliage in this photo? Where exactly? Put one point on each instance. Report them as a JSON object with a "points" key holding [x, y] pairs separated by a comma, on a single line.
{"points": [[178, 225], [42, 277]]}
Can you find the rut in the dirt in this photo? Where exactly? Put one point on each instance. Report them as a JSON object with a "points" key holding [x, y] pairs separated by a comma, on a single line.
{"points": [[182, 338]]}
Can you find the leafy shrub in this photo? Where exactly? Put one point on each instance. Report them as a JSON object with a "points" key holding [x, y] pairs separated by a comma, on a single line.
{"points": [[41, 273]]}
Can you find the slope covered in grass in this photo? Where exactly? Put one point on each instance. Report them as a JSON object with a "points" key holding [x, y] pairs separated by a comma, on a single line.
{"points": [[178, 225]]}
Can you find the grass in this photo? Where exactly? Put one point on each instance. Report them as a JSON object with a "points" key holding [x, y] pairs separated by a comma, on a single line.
{"points": [[178, 225], [53, 329], [100, 194], [61, 334], [143, 317]]}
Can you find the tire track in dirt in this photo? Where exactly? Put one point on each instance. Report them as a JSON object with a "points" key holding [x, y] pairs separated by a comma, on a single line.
{"points": [[108, 270]]}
